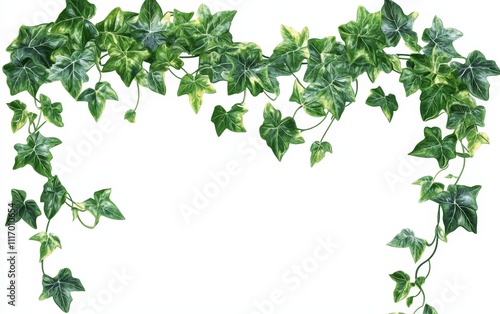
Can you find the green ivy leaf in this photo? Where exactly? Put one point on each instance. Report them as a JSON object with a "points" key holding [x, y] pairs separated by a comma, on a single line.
{"points": [[434, 99], [36, 43], [395, 24], [24, 76], [71, 69], [407, 239], [364, 37], [403, 285], [287, 57], [465, 117], [384, 62], [318, 151], [279, 133], [195, 87], [434, 146], [96, 98], [388, 104], [60, 287], [74, 22], [475, 139], [26, 210], [441, 234], [130, 115], [154, 80], [412, 81], [332, 91], [409, 301], [248, 71], [51, 111], [440, 38], [323, 54], [429, 309], [151, 28], [314, 109], [215, 63], [53, 197], [430, 189], [207, 31], [167, 57], [459, 207], [126, 59], [474, 73], [114, 30], [231, 120], [101, 205], [20, 116], [36, 153], [48, 243]]}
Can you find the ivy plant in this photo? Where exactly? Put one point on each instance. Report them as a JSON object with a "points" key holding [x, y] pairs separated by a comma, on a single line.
{"points": [[144, 48]]}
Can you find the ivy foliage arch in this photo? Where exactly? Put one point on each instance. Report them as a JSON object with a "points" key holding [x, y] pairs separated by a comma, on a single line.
{"points": [[144, 48]]}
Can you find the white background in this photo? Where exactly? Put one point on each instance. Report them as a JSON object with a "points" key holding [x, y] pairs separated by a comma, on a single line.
{"points": [[269, 216]]}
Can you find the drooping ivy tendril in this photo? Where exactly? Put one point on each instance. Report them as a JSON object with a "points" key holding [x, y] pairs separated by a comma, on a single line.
{"points": [[144, 47]]}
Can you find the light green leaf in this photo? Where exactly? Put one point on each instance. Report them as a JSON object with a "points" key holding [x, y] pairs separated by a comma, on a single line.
{"points": [[434, 99], [20, 116], [25, 76], [434, 146], [150, 29], [126, 59], [36, 153], [288, 56], [364, 37], [72, 69], [74, 21], [474, 74], [195, 87], [215, 63], [388, 104], [440, 38], [324, 54], [231, 120], [318, 151], [115, 29], [96, 98], [51, 111], [154, 80], [279, 133], [459, 207], [430, 189], [395, 24], [48, 243], [130, 115], [314, 109], [475, 139], [101, 205], [53, 197], [403, 285], [407, 239], [167, 57], [60, 287], [441, 234], [26, 210]]}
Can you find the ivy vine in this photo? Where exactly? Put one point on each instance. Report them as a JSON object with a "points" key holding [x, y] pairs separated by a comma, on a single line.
{"points": [[143, 48]]}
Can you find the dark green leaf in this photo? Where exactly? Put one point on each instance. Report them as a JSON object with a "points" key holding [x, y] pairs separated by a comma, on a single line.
{"points": [[20, 116], [364, 37], [314, 109], [465, 117], [74, 22], [318, 151], [154, 80], [475, 139], [101, 205], [248, 71], [48, 243], [36, 43], [434, 146], [53, 197], [72, 69], [434, 99], [36, 153], [409, 301], [231, 120], [407, 239], [25, 76], [214, 64], [207, 31], [395, 24], [403, 285], [429, 309], [26, 210], [287, 57], [412, 82], [60, 287], [150, 29], [130, 116], [459, 207], [384, 62], [115, 29], [51, 111], [474, 74], [279, 133], [388, 104], [330, 90], [429, 189], [126, 59], [96, 98], [195, 87], [440, 38]]}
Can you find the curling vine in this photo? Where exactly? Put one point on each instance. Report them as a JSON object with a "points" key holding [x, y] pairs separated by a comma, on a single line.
{"points": [[144, 48]]}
